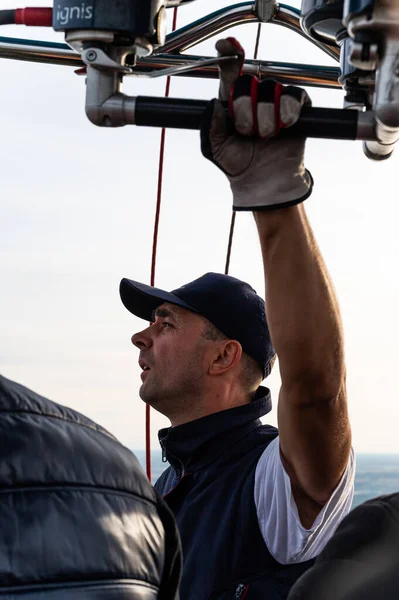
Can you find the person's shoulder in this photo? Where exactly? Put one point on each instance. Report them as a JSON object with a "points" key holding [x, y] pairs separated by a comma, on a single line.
{"points": [[74, 449], [373, 524], [270, 430], [267, 433], [17, 398], [360, 560]]}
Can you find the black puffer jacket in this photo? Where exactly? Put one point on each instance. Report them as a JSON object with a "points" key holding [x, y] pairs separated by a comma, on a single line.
{"points": [[361, 560], [77, 514]]}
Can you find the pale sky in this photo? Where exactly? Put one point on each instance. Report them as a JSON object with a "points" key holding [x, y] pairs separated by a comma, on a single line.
{"points": [[76, 215]]}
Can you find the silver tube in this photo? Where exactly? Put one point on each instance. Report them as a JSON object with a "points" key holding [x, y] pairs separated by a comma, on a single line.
{"points": [[377, 151], [178, 41], [231, 16], [213, 24], [296, 74], [129, 110], [39, 52], [365, 126], [387, 138]]}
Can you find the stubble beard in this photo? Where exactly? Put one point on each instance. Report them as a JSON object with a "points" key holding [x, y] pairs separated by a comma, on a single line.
{"points": [[177, 397]]}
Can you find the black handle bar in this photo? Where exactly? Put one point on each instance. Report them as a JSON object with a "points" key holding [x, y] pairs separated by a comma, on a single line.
{"points": [[329, 123]]}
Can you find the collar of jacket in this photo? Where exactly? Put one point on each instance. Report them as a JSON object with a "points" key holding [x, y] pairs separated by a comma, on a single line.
{"points": [[198, 443]]}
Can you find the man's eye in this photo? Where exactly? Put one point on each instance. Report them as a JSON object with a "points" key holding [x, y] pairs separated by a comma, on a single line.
{"points": [[166, 324]]}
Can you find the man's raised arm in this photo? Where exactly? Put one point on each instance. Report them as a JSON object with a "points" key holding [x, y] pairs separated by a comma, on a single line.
{"points": [[267, 176], [305, 326]]}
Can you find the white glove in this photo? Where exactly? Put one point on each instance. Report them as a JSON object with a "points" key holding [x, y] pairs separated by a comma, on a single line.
{"points": [[265, 172]]}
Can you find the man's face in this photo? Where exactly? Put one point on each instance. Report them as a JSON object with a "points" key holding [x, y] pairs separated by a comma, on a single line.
{"points": [[174, 358]]}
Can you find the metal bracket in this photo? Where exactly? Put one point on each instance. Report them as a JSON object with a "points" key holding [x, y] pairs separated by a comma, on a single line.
{"points": [[265, 10], [363, 56], [107, 63], [383, 24], [97, 58]]}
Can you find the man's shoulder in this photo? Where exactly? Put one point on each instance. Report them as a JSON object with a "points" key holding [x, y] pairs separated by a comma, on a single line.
{"points": [[265, 434], [269, 430]]}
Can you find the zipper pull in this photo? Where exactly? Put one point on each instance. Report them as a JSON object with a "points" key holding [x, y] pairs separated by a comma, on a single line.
{"points": [[241, 591], [164, 459]]}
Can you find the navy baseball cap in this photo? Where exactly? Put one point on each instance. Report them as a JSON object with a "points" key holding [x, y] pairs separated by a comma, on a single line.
{"points": [[228, 303]]}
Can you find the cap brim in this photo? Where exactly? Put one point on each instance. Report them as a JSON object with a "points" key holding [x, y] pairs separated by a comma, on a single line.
{"points": [[142, 300]]}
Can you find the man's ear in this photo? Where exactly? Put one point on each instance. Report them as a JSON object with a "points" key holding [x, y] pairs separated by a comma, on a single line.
{"points": [[228, 355]]}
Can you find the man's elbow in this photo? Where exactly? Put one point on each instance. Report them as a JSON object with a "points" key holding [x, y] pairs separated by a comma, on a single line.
{"points": [[307, 391], [325, 479]]}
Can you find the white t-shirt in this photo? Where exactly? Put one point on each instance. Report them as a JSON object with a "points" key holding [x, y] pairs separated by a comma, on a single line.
{"points": [[286, 538]]}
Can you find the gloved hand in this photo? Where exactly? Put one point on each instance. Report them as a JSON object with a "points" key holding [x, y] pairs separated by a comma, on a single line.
{"points": [[265, 172]]}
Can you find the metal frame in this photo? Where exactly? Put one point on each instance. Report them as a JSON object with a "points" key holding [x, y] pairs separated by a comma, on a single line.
{"points": [[106, 105], [185, 38]]}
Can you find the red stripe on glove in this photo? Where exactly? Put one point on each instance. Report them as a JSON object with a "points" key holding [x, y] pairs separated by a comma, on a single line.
{"points": [[277, 117], [240, 49]]}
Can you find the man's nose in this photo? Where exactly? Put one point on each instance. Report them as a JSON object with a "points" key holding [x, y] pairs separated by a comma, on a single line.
{"points": [[142, 339]]}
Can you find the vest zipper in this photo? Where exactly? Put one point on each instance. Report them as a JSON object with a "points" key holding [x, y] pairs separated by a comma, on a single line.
{"points": [[165, 460], [241, 591], [181, 477]]}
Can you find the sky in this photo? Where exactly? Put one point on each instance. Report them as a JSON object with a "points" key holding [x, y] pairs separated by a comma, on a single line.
{"points": [[76, 215]]}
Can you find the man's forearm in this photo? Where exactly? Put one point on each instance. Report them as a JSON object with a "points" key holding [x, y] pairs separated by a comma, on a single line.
{"points": [[302, 309]]}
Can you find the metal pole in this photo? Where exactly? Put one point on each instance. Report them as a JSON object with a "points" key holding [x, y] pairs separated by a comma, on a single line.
{"points": [[61, 54]]}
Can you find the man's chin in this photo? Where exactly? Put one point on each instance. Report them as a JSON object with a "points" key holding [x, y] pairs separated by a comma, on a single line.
{"points": [[142, 393], [146, 396]]}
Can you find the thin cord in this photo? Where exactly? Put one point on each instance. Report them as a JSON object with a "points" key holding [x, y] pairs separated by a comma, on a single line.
{"points": [[154, 258], [231, 235], [156, 230], [233, 216], [257, 41]]}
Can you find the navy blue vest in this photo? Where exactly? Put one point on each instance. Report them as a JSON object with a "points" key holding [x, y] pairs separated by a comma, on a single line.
{"points": [[210, 488]]}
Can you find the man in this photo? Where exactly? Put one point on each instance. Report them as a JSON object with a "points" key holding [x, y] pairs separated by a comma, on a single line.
{"points": [[253, 506], [78, 516]]}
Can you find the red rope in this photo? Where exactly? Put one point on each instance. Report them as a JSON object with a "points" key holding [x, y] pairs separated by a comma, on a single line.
{"points": [[155, 239], [233, 216], [154, 259]]}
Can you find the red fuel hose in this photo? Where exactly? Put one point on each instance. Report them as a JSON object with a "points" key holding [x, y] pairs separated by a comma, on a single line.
{"points": [[33, 17]]}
